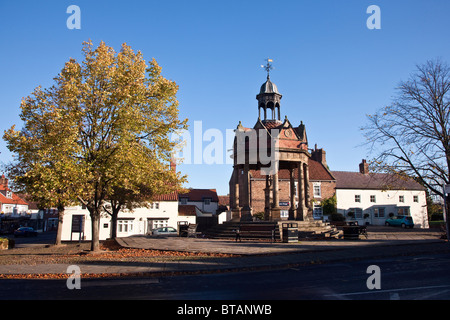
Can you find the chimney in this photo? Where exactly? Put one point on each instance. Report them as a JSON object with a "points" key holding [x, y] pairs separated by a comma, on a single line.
{"points": [[364, 167], [173, 165], [319, 155], [4, 181]]}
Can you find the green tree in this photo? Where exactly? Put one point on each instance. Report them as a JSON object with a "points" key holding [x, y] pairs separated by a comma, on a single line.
{"points": [[106, 125], [329, 205]]}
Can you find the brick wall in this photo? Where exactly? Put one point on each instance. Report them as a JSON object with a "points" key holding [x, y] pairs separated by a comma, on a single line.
{"points": [[328, 189]]}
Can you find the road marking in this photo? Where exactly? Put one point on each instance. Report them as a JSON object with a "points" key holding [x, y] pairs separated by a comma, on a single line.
{"points": [[394, 296], [428, 296], [102, 282], [384, 291]]}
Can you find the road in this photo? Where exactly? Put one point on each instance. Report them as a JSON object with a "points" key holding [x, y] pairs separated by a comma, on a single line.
{"points": [[42, 238], [418, 277]]}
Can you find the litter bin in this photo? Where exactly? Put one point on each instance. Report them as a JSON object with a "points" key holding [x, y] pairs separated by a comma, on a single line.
{"points": [[351, 232], [290, 232]]}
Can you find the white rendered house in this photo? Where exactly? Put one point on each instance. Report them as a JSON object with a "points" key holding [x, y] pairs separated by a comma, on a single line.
{"points": [[372, 197], [206, 200], [162, 212]]}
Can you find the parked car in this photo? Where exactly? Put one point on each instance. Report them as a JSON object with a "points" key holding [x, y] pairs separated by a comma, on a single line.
{"points": [[402, 221], [25, 232], [165, 231]]}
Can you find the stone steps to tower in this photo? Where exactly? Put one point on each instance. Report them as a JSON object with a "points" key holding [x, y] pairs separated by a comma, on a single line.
{"points": [[307, 230], [314, 229], [227, 230]]}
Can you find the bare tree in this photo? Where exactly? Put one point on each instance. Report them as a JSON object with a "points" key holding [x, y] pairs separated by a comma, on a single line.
{"points": [[411, 136]]}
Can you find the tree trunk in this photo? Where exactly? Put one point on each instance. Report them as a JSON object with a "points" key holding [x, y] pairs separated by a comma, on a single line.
{"points": [[114, 217], [60, 225], [95, 242]]}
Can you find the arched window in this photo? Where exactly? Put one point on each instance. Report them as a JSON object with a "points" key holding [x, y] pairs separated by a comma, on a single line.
{"points": [[271, 106]]}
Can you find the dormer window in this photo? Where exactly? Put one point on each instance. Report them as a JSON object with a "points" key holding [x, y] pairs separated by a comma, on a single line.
{"points": [[9, 194]]}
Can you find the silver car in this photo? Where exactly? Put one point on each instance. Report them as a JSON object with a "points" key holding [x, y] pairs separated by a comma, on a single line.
{"points": [[165, 231]]}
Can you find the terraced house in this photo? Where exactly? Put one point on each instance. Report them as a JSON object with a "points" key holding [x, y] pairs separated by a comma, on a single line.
{"points": [[374, 197]]}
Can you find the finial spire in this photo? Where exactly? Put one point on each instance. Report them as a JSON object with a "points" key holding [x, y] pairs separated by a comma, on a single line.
{"points": [[268, 67]]}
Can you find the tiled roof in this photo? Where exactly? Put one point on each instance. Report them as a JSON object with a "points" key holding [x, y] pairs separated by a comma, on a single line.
{"points": [[272, 124], [317, 172], [224, 200], [32, 205], [187, 210], [167, 197], [14, 200], [377, 181]]}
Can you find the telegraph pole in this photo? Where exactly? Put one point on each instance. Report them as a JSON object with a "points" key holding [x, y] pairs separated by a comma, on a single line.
{"points": [[447, 209]]}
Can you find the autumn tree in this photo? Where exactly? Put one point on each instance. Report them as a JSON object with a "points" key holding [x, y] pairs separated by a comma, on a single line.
{"points": [[42, 168], [114, 113], [122, 198]]}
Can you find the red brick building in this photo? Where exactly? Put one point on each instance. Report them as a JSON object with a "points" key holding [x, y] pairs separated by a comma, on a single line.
{"points": [[322, 185], [300, 180]]}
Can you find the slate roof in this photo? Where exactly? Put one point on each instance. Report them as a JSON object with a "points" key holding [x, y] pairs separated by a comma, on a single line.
{"points": [[374, 181], [200, 194]]}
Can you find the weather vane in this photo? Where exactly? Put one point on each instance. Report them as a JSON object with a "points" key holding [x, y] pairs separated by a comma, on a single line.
{"points": [[268, 67]]}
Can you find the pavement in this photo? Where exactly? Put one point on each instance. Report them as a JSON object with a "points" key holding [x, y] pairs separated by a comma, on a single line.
{"points": [[249, 255]]}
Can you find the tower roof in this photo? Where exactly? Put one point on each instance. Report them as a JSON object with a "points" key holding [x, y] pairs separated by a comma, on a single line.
{"points": [[268, 87]]}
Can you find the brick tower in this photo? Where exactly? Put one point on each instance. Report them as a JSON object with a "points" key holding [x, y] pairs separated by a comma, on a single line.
{"points": [[270, 146]]}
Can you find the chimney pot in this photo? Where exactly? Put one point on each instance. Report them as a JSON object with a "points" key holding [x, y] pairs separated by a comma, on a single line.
{"points": [[364, 167], [4, 181], [319, 155]]}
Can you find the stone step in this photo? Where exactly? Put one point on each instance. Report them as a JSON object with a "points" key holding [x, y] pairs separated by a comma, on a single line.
{"points": [[307, 229], [227, 230]]}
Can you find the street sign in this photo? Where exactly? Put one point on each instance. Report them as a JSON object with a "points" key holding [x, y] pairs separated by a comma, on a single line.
{"points": [[78, 223], [78, 226], [447, 188]]}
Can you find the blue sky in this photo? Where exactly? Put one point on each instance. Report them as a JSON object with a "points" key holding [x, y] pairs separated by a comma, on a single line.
{"points": [[330, 68]]}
